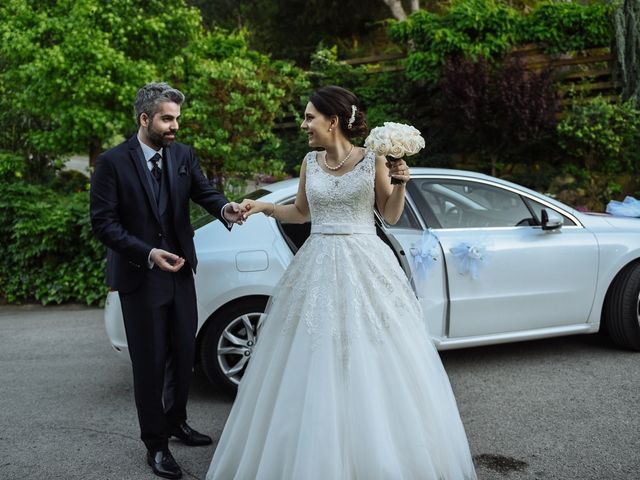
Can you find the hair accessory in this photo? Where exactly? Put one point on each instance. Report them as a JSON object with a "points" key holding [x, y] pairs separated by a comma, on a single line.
{"points": [[353, 117]]}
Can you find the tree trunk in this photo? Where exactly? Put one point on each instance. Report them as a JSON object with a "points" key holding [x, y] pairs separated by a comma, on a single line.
{"points": [[396, 8], [415, 6], [627, 46]]}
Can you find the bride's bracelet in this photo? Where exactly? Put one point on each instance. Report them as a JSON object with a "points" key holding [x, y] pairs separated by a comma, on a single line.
{"points": [[273, 211]]}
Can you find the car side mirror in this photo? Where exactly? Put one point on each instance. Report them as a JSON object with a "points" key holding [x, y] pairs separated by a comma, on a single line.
{"points": [[551, 221]]}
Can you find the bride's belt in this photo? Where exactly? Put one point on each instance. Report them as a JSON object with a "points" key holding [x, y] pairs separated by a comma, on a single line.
{"points": [[342, 229]]}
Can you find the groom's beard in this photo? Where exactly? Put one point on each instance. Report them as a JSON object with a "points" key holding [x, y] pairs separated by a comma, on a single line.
{"points": [[159, 139]]}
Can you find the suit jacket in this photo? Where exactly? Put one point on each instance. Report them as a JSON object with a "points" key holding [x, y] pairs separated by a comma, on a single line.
{"points": [[124, 211]]}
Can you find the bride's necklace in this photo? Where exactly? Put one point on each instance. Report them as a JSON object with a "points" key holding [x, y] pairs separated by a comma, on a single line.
{"points": [[337, 167]]}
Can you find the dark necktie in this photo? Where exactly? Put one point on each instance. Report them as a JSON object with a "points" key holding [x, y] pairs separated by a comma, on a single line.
{"points": [[156, 171]]}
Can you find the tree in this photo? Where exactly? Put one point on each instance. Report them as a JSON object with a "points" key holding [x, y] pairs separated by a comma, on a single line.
{"points": [[71, 68], [293, 29], [627, 47], [235, 97], [397, 9]]}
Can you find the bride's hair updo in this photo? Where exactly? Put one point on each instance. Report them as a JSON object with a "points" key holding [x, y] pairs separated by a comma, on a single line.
{"points": [[333, 100]]}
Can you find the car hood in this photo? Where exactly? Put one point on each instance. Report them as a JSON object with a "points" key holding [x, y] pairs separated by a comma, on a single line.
{"points": [[624, 223]]}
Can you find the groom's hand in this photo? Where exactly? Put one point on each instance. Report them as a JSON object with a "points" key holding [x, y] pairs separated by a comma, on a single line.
{"points": [[233, 213], [166, 261]]}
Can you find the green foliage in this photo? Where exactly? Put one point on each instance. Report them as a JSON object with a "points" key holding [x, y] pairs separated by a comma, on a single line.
{"points": [[236, 95], [11, 166], [627, 48], [567, 26], [72, 68], [291, 29], [49, 252], [490, 28], [387, 97], [384, 95], [326, 69], [603, 136], [470, 28]]}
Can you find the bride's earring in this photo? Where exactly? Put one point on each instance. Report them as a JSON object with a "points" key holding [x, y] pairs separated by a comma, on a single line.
{"points": [[330, 129]]}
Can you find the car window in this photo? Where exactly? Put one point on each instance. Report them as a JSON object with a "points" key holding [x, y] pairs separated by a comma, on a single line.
{"points": [[467, 204], [407, 219], [537, 210]]}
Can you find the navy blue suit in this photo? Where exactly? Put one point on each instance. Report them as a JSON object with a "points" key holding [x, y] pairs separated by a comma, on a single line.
{"points": [[131, 215]]}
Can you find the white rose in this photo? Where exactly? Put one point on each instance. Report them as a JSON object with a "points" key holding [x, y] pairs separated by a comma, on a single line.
{"points": [[396, 151], [395, 139]]}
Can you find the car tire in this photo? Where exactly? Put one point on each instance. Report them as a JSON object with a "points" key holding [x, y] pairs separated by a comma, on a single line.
{"points": [[227, 342], [622, 308]]}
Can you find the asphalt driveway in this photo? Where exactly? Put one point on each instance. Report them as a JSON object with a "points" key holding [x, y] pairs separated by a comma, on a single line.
{"points": [[555, 409]]}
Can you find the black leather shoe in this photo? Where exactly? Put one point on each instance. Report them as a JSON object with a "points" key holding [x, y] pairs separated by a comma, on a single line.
{"points": [[189, 436], [163, 464]]}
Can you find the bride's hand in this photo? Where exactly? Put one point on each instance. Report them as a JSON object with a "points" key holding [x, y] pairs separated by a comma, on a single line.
{"points": [[399, 170], [251, 207]]}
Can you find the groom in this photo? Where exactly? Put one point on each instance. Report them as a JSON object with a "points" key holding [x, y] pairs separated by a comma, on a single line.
{"points": [[140, 193]]}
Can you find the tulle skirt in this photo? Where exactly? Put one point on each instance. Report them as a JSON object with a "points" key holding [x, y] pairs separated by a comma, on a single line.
{"points": [[344, 383]]}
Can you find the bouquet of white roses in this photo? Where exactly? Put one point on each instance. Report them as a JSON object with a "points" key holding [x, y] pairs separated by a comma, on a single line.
{"points": [[395, 140]]}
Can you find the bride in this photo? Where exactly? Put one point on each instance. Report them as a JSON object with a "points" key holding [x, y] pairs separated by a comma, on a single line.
{"points": [[340, 385]]}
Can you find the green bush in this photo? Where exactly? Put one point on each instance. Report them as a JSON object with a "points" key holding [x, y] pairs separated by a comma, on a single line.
{"points": [[326, 69], [470, 28], [49, 253], [236, 95], [385, 95], [603, 136], [567, 26], [12, 166], [491, 28]]}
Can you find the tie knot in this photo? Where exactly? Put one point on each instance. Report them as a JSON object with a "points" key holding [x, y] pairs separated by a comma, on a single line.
{"points": [[155, 159]]}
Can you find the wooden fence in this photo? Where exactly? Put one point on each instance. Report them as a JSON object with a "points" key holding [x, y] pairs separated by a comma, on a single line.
{"points": [[579, 75]]}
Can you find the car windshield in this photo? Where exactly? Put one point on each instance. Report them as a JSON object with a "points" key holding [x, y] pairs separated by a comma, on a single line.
{"points": [[207, 218]]}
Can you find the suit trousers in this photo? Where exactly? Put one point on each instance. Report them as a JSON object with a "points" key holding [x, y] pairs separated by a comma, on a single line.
{"points": [[160, 319]]}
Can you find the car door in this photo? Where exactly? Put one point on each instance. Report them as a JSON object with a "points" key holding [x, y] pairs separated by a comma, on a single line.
{"points": [[404, 238], [525, 278]]}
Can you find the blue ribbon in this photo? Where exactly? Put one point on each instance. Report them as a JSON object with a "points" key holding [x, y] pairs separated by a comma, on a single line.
{"points": [[425, 256], [630, 207], [470, 258]]}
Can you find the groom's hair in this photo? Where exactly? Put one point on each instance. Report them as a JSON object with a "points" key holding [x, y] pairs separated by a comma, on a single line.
{"points": [[152, 95]]}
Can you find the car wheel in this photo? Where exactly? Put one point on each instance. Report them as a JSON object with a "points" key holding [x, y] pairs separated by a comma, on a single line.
{"points": [[622, 308], [228, 342]]}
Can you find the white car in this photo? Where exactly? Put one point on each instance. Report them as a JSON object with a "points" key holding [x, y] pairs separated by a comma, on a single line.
{"points": [[542, 269]]}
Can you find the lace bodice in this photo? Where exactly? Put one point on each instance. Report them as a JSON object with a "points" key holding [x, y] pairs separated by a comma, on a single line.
{"points": [[345, 199]]}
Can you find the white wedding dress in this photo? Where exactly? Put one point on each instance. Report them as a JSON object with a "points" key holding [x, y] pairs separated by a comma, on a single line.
{"points": [[344, 383]]}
